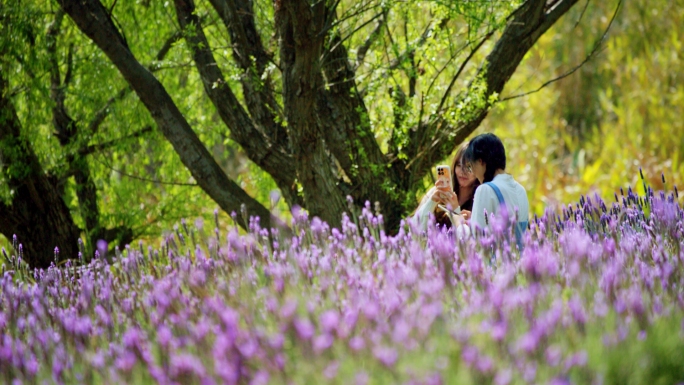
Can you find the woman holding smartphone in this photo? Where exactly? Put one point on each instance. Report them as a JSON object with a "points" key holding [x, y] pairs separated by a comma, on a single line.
{"points": [[460, 197], [485, 159]]}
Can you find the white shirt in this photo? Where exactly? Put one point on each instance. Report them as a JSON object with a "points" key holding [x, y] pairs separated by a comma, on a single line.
{"points": [[427, 206], [514, 195]]}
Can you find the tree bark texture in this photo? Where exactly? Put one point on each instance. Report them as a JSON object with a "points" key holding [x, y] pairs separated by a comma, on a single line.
{"points": [[37, 215], [299, 28]]}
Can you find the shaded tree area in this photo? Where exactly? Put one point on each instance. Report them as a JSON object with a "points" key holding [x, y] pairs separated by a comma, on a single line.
{"points": [[327, 99]]}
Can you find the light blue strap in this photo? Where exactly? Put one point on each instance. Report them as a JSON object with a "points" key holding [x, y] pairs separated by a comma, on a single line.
{"points": [[521, 226]]}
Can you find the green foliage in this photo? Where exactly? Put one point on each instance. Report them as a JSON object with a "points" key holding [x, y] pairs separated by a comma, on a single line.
{"points": [[660, 356], [619, 111]]}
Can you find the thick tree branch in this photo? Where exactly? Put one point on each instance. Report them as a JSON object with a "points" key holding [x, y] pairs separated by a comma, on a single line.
{"points": [[272, 157], [92, 19], [102, 113], [65, 127], [348, 134], [252, 58]]}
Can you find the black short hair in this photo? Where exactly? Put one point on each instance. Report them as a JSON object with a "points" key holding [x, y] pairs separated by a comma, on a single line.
{"points": [[490, 150]]}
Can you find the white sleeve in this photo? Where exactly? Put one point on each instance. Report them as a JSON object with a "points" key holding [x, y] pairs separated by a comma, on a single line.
{"points": [[426, 207], [485, 199]]}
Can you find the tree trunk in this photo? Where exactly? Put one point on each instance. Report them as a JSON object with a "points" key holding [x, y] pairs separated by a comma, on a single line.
{"points": [[37, 215], [299, 27]]}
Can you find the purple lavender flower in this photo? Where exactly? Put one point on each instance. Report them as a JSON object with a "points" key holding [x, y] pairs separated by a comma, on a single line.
{"points": [[357, 343], [329, 321], [330, 371], [386, 355], [304, 328]]}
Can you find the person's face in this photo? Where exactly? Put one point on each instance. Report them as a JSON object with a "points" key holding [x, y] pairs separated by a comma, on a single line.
{"points": [[465, 179], [476, 169]]}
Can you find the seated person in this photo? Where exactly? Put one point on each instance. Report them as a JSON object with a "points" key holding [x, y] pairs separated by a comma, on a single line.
{"points": [[485, 158], [460, 197]]}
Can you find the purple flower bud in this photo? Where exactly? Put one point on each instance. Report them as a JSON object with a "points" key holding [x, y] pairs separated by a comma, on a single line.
{"points": [[330, 371], [503, 377], [484, 364], [387, 356], [260, 378], [578, 359], [470, 354], [560, 381], [186, 364], [288, 309], [361, 378], [553, 355], [357, 343], [322, 342], [329, 321], [248, 348], [304, 328]]}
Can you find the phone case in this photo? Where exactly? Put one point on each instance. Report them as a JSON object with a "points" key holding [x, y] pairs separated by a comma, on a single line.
{"points": [[444, 173]]}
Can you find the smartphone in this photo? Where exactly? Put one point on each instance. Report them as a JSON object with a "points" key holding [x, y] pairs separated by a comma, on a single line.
{"points": [[444, 173]]}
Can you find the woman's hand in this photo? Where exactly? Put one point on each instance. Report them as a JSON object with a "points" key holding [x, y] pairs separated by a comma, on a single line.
{"points": [[466, 214], [444, 196]]}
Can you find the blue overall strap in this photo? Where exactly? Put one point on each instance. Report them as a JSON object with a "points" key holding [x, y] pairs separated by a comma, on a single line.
{"points": [[520, 226], [497, 192]]}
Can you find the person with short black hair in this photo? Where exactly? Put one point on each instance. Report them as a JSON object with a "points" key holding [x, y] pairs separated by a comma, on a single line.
{"points": [[485, 157]]}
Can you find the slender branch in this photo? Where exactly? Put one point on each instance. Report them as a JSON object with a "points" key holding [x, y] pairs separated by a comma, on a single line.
{"points": [[422, 40], [363, 49], [335, 21], [105, 145], [586, 5], [461, 68], [591, 54], [168, 44], [111, 9], [349, 35], [103, 112], [123, 173], [70, 66], [445, 66]]}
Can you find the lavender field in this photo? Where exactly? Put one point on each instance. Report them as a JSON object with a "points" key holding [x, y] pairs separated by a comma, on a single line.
{"points": [[596, 297]]}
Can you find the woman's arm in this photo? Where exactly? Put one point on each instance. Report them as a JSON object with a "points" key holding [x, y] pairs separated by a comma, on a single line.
{"points": [[427, 206]]}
